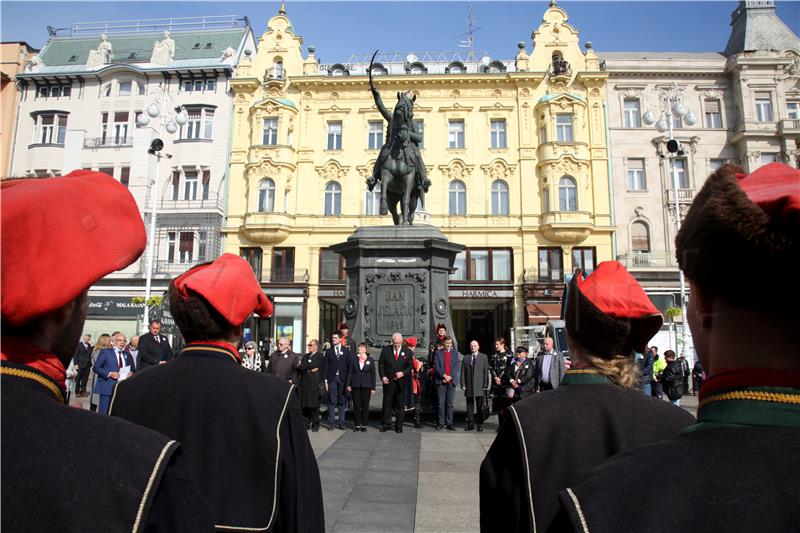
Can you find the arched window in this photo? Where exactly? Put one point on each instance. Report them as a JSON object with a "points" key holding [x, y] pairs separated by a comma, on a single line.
{"points": [[266, 196], [372, 200], [499, 197], [567, 194], [333, 198], [640, 238], [279, 70], [458, 197]]}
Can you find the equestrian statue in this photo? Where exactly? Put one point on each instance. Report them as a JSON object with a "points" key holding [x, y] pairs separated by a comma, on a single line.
{"points": [[399, 165]]}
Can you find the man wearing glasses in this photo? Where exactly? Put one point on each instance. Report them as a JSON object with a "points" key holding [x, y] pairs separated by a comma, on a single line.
{"points": [[284, 362]]}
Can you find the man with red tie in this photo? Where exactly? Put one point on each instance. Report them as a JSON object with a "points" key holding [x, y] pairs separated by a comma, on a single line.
{"points": [[394, 367], [112, 366], [446, 363]]}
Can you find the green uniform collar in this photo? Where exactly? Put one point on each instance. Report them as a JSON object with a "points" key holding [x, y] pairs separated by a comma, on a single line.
{"points": [[750, 406], [585, 376]]}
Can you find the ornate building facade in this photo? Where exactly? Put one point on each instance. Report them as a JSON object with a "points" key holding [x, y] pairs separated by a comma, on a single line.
{"points": [[517, 152], [746, 101], [78, 105]]}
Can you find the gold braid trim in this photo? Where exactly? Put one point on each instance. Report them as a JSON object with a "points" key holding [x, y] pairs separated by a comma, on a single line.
{"points": [[209, 349], [759, 396], [583, 371], [26, 374]]}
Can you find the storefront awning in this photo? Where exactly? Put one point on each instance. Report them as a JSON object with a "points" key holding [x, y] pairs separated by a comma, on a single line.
{"points": [[539, 313]]}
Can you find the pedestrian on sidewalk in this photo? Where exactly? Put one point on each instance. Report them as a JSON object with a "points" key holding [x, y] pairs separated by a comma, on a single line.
{"points": [[394, 367], [520, 376], [361, 385], [83, 362], [698, 376], [309, 372], [414, 390], [498, 363], [685, 372], [338, 365], [672, 378]]}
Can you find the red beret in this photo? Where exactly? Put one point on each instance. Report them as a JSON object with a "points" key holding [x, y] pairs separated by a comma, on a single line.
{"points": [[609, 313], [775, 188], [342, 325], [59, 236], [229, 285], [411, 342]]}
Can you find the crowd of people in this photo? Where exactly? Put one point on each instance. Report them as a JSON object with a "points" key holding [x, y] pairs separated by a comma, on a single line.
{"points": [[211, 439]]}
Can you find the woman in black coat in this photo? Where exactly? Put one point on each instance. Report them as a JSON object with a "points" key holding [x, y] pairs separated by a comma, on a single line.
{"points": [[309, 372], [361, 385]]}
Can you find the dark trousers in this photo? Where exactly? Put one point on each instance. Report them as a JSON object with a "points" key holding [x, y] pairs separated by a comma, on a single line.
{"points": [[445, 394], [471, 414], [545, 386], [393, 395], [361, 397], [311, 414], [336, 397], [82, 379]]}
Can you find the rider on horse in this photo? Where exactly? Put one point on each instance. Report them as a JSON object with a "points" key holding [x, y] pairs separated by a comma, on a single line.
{"points": [[402, 140]]}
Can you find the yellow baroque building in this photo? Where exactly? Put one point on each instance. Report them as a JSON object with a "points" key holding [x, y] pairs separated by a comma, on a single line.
{"points": [[517, 152]]}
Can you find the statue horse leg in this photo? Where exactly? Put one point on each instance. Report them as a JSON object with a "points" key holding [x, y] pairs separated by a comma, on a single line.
{"points": [[386, 180], [393, 200], [405, 204]]}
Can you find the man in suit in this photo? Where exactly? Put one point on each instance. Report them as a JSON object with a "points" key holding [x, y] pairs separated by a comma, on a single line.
{"points": [[338, 365], [142, 471], [154, 348], [549, 368], [83, 360], [109, 369], [446, 363], [283, 362], [475, 383], [394, 367]]}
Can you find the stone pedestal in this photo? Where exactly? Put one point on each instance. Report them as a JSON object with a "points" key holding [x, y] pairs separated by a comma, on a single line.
{"points": [[397, 280]]}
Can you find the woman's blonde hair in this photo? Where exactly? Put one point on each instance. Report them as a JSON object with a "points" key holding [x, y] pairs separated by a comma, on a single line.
{"points": [[103, 342], [621, 369]]}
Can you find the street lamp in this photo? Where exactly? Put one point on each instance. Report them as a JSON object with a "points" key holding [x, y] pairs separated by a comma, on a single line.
{"points": [[171, 117], [671, 104]]}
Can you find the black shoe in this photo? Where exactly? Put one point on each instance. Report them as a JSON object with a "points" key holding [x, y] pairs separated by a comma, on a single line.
{"points": [[450, 427], [330, 428], [480, 428], [340, 426], [438, 427], [363, 429], [469, 427], [315, 428]]}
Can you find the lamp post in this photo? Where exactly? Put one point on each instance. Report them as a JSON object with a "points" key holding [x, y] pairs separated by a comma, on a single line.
{"points": [[670, 105], [170, 117]]}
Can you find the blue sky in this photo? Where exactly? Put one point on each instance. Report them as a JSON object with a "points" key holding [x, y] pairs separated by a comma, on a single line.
{"points": [[339, 29]]}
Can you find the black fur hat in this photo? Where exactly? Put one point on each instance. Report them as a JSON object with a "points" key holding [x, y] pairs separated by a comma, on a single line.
{"points": [[741, 237]]}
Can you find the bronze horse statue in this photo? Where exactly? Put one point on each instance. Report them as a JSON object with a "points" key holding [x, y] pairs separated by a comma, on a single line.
{"points": [[399, 165]]}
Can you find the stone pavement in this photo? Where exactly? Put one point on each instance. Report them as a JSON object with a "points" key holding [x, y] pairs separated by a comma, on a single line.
{"points": [[421, 480]]}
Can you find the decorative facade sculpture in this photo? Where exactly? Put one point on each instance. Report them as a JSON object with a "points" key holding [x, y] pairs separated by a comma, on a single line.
{"points": [[163, 50], [103, 54]]}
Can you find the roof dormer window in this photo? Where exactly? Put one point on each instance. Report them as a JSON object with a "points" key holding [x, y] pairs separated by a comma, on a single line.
{"points": [[196, 46]]}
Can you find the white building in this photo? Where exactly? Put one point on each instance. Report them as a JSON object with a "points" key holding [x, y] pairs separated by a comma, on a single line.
{"points": [[79, 101], [746, 101]]}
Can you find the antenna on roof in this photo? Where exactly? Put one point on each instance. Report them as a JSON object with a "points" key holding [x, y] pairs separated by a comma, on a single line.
{"points": [[469, 36]]}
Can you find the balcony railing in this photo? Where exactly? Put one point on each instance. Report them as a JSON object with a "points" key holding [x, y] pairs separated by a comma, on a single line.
{"points": [[685, 196], [212, 202], [174, 267], [107, 142], [286, 276], [648, 260], [790, 126]]}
